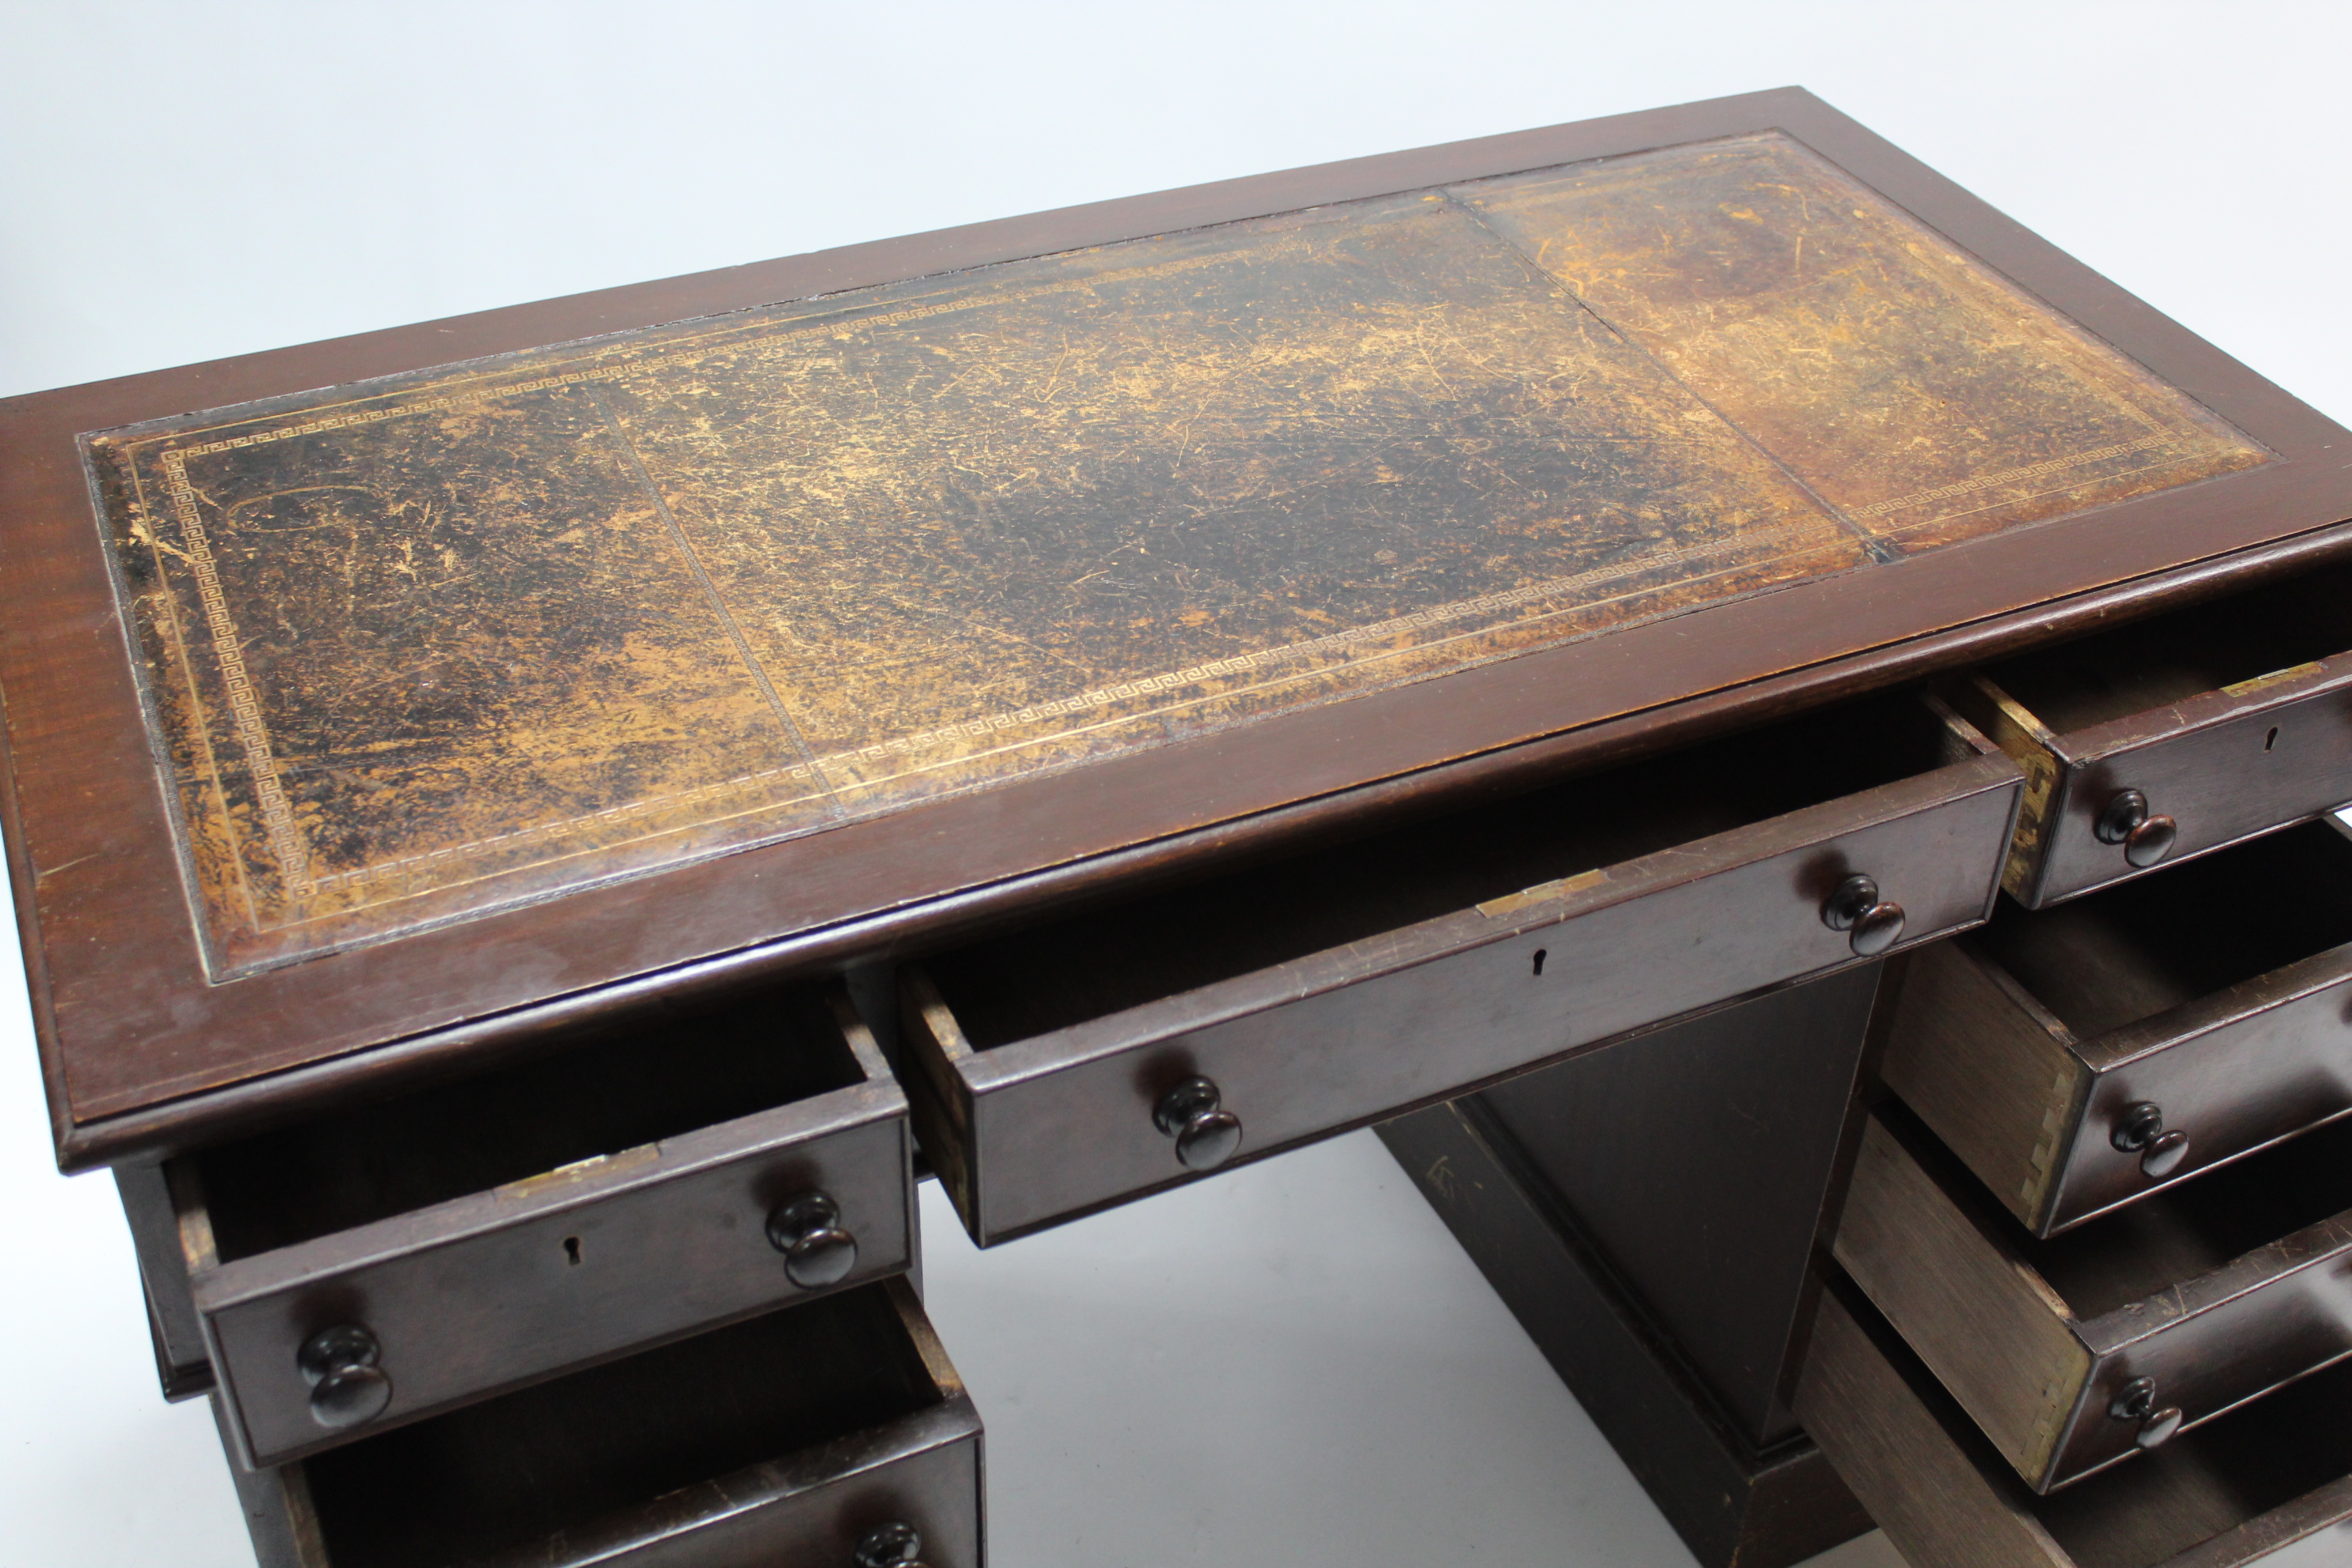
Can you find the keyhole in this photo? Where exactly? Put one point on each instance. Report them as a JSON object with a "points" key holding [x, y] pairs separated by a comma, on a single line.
{"points": [[2271, 740], [1539, 958], [571, 1249]]}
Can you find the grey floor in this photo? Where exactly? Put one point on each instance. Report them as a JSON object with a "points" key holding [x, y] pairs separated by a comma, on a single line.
{"points": [[1291, 1365]]}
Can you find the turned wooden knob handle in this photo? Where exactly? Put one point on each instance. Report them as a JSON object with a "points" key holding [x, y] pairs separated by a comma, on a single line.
{"points": [[348, 1382], [817, 1251], [2140, 1131], [2135, 1403], [1872, 924], [894, 1545], [2146, 839], [1207, 1133]]}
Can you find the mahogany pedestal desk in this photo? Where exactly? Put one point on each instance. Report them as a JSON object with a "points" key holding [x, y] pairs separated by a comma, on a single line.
{"points": [[1544, 644]]}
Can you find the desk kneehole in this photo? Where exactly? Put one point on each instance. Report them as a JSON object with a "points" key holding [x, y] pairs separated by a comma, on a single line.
{"points": [[2084, 1351], [1121, 1049]]}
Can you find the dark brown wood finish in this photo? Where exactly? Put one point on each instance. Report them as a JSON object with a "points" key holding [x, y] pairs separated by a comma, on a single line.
{"points": [[2217, 1291], [1659, 1354], [623, 1244], [2230, 720], [134, 1056], [1319, 994], [791, 1437], [861, 944], [2220, 995], [1697, 1159], [183, 1365], [2265, 1479]]}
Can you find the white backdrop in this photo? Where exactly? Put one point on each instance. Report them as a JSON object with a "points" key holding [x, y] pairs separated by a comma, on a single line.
{"points": [[1292, 1365]]}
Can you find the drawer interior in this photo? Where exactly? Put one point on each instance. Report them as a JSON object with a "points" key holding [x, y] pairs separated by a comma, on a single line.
{"points": [[2148, 1511], [2192, 1228], [2147, 663], [520, 1469], [1108, 959], [2141, 947], [2261, 1456], [596, 1097]]}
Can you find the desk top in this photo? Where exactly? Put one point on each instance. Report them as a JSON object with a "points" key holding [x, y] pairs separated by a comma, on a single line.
{"points": [[445, 706]]}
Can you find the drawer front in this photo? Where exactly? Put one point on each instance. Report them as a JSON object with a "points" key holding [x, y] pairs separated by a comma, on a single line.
{"points": [[804, 1436], [1365, 1038], [2219, 781], [488, 1292], [2046, 1382], [2036, 1113], [2283, 1313], [815, 1507], [1946, 1500], [2267, 1071]]}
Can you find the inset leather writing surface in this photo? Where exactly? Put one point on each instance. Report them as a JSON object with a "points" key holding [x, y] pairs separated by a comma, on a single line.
{"points": [[422, 648], [431, 650], [1918, 394]]}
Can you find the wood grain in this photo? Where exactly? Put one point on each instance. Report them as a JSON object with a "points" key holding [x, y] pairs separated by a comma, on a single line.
{"points": [[933, 1051], [1937, 1508], [1989, 1069], [1994, 1332]]}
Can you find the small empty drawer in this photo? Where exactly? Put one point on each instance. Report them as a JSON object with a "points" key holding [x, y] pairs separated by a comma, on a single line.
{"points": [[2085, 1349], [376, 1265], [834, 1434], [2160, 740], [2082, 1057], [2271, 1483], [1076, 1064]]}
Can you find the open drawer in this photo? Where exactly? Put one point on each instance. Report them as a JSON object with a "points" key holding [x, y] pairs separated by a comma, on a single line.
{"points": [[2086, 1348], [372, 1266], [2162, 739], [2081, 1057], [834, 1434], [1066, 1066], [2271, 1483]]}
